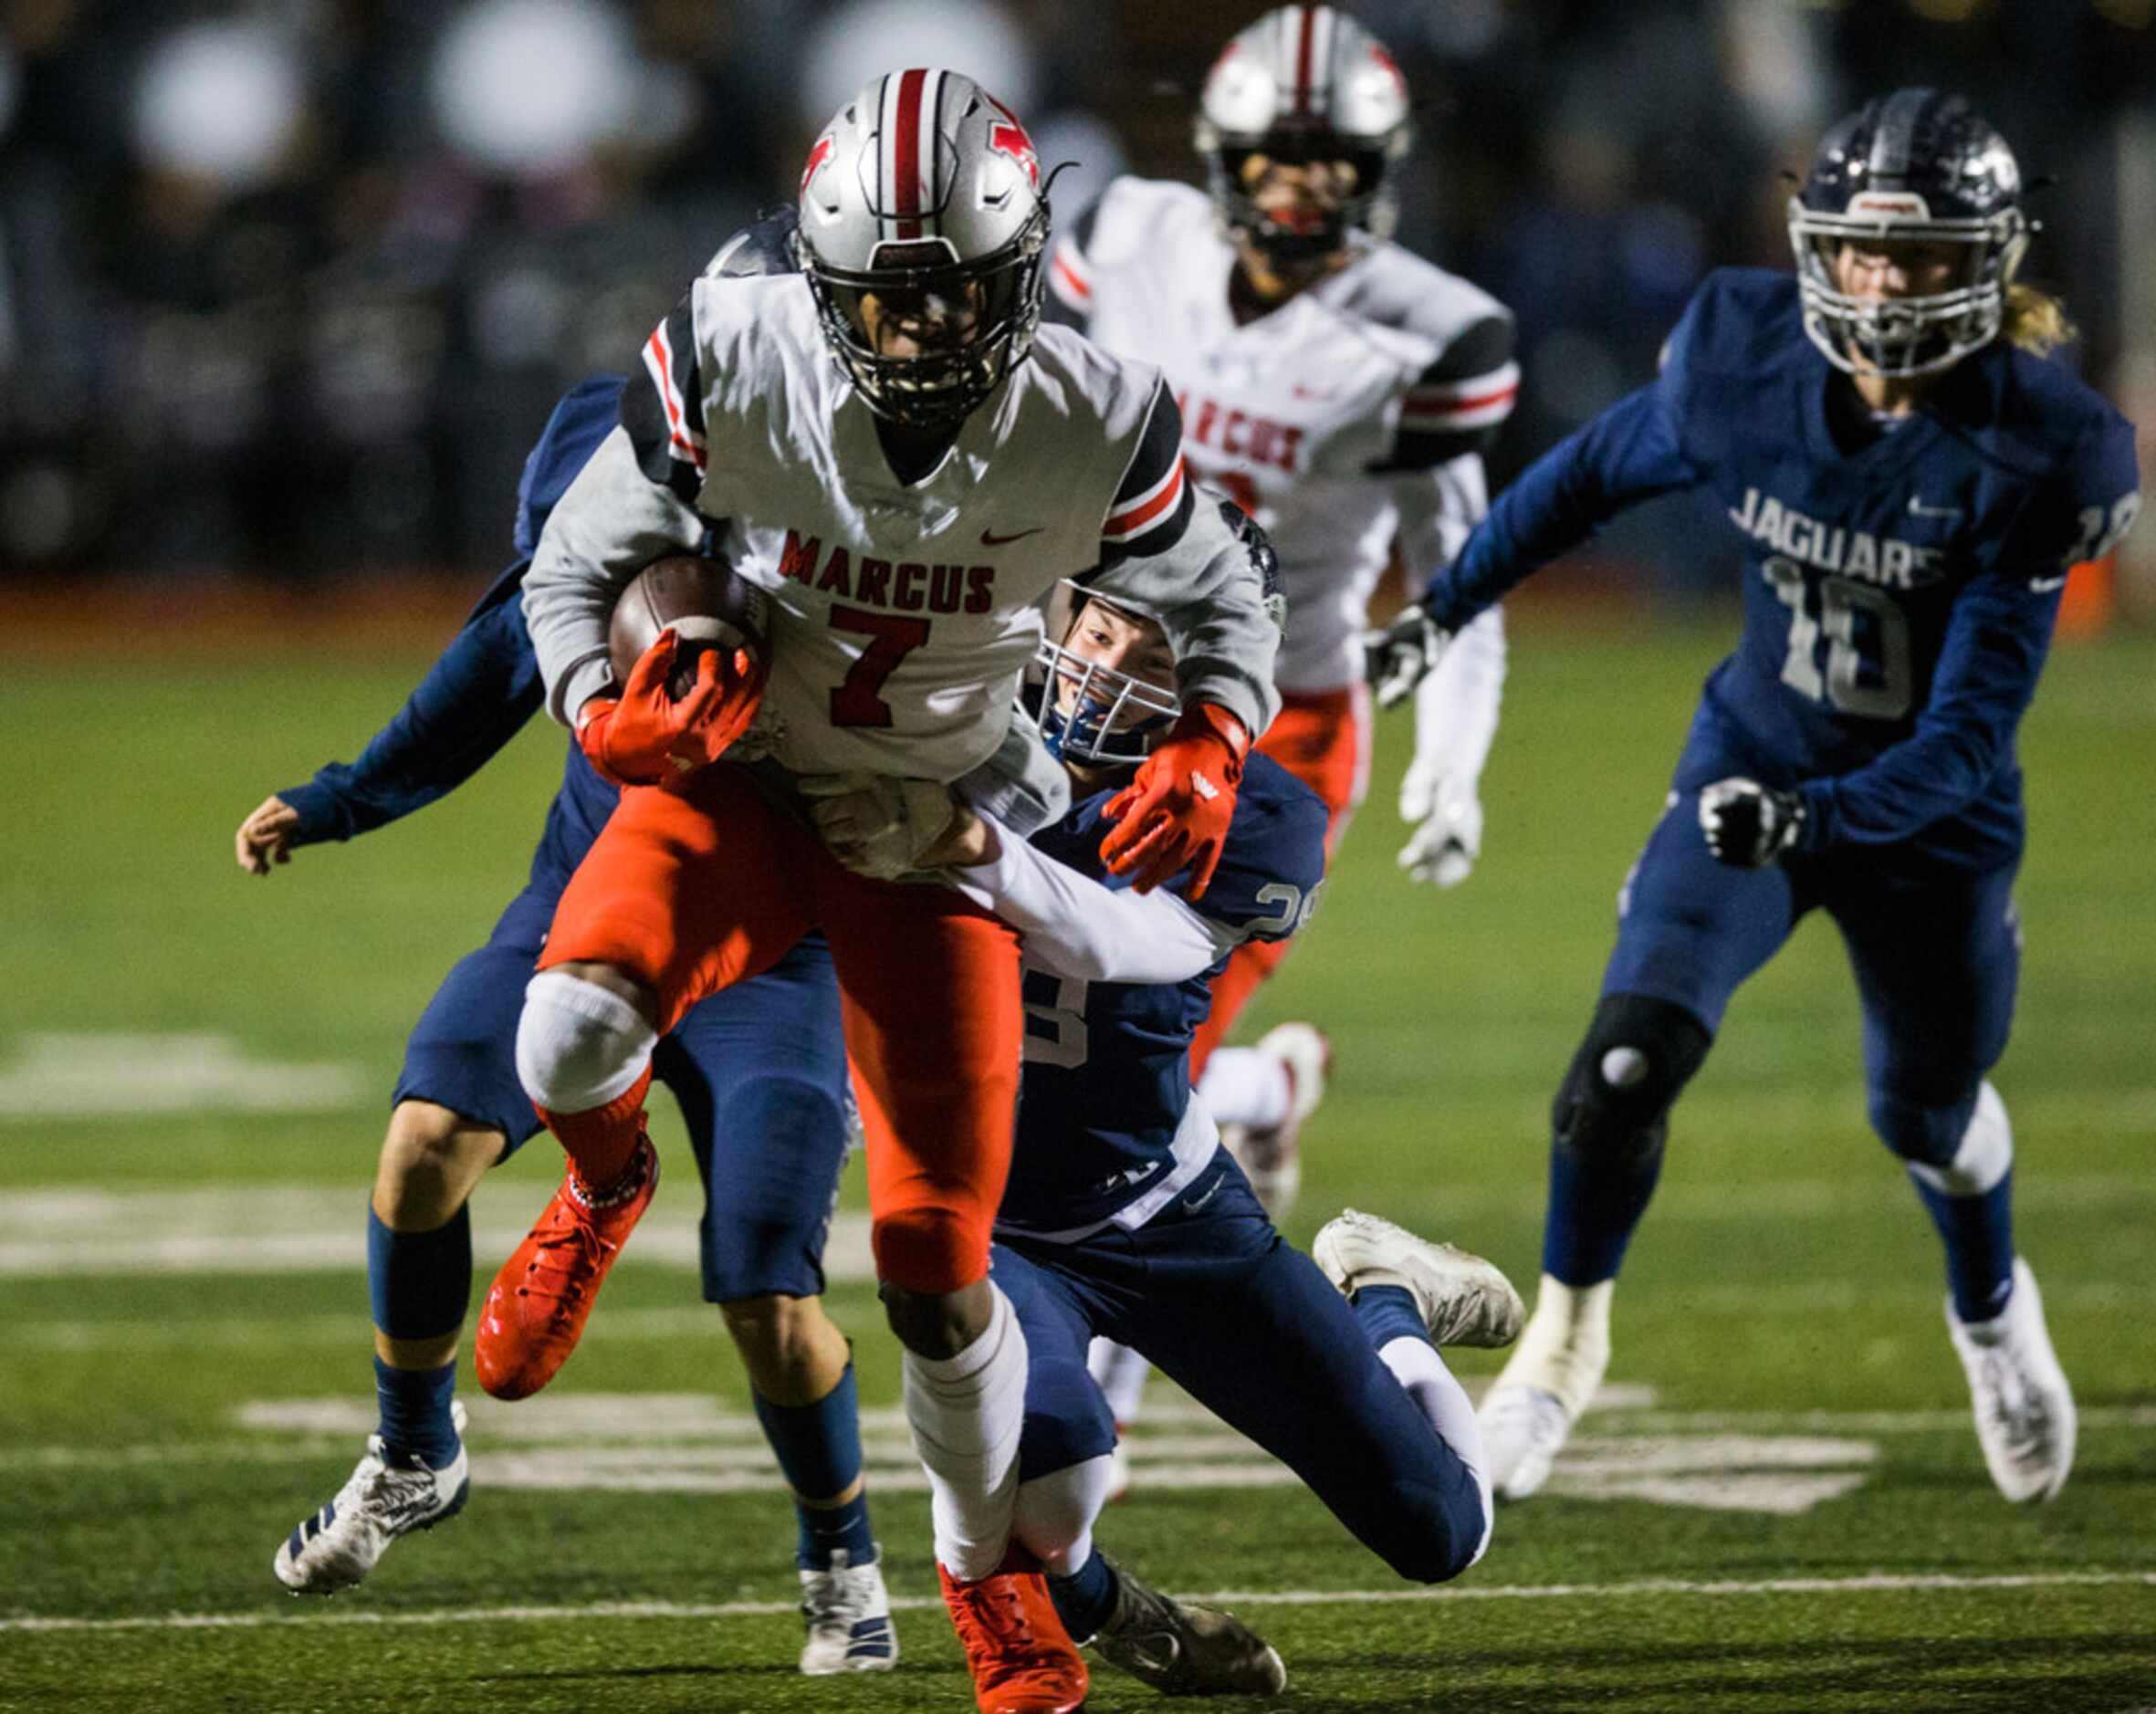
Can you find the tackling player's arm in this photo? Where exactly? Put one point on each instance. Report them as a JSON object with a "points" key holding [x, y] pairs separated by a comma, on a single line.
{"points": [[1265, 889], [472, 702], [1073, 926], [476, 697]]}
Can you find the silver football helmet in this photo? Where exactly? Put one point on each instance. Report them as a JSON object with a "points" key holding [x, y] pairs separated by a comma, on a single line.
{"points": [[1304, 84], [1918, 166], [922, 211], [1086, 710]]}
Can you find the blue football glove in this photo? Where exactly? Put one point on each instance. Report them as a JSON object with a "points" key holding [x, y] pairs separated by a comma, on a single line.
{"points": [[1748, 825], [1395, 659]]}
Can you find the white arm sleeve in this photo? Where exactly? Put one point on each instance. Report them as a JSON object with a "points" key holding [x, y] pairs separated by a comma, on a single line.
{"points": [[1437, 507], [1456, 704], [612, 522], [1073, 925]]}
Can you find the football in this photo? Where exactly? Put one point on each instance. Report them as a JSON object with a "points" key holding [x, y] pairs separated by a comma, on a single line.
{"points": [[708, 604]]}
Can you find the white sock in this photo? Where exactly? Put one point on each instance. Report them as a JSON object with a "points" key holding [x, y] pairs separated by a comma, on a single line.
{"points": [[1242, 1086], [966, 1414], [1120, 1373], [1564, 1347], [1055, 1515], [1445, 1405]]}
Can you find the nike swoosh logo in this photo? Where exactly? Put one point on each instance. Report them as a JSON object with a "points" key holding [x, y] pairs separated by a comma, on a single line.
{"points": [[1916, 508], [1192, 1204], [989, 539]]}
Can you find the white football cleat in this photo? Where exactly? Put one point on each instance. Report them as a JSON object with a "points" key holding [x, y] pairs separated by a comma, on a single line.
{"points": [[2024, 1409], [1270, 1156], [849, 1619], [1464, 1300], [1528, 1413], [389, 1494]]}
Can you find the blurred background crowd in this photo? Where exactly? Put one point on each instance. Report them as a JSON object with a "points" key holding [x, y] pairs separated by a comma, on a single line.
{"points": [[287, 287]]}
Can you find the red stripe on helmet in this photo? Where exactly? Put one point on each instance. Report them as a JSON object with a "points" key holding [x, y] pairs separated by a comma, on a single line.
{"points": [[905, 153], [1304, 70]]}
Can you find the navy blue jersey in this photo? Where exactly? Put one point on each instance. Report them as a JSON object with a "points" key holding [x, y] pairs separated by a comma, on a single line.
{"points": [[485, 686], [1107, 1071], [1900, 590]]}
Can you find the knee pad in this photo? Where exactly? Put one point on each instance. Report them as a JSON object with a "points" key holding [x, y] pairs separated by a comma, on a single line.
{"points": [[579, 1046], [1960, 1148], [1614, 1103]]}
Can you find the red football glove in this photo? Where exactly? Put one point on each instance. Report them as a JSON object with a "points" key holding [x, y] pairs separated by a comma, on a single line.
{"points": [[1174, 816], [648, 735]]}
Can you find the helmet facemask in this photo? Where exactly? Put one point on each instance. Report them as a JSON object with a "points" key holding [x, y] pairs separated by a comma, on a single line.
{"points": [[1087, 708], [1364, 202], [1916, 167], [974, 321], [1917, 334]]}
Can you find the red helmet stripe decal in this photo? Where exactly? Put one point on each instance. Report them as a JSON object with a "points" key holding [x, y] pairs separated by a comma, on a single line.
{"points": [[1306, 70], [906, 154]]}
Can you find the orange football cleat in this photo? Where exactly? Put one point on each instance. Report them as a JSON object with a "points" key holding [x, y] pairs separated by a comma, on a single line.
{"points": [[1021, 1658], [536, 1308]]}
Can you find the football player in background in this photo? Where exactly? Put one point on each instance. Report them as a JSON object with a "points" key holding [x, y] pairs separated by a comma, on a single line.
{"points": [[758, 1064], [1342, 391], [868, 441], [1911, 481], [1126, 1217]]}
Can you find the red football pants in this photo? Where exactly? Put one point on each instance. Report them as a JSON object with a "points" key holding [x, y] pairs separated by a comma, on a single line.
{"points": [[1322, 737], [692, 888]]}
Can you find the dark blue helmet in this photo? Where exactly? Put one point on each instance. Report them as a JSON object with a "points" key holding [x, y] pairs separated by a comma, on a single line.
{"points": [[1922, 166]]}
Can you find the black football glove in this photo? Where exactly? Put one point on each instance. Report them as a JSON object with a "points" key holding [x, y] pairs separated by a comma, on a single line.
{"points": [[1396, 658], [1748, 825]]}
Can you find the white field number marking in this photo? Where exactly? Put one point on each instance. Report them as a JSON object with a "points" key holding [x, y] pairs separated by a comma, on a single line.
{"points": [[53, 1076]]}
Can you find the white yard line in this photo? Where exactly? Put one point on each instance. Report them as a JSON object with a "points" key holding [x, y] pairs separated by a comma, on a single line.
{"points": [[688, 1427], [1869, 1583], [50, 1231]]}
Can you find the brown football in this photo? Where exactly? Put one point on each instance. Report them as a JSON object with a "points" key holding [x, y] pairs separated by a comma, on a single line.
{"points": [[708, 604]]}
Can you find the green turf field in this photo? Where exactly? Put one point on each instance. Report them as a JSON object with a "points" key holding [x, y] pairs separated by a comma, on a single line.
{"points": [[1782, 1508]]}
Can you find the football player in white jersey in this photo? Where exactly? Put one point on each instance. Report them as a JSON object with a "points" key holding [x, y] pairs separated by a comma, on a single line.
{"points": [[1340, 388], [905, 462]]}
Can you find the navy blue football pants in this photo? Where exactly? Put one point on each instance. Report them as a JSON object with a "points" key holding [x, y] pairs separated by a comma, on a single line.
{"points": [[1221, 1304], [1935, 948]]}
